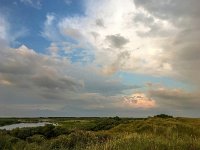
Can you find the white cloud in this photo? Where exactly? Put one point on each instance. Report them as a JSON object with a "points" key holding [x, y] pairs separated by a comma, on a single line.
{"points": [[102, 21], [5, 82], [7, 36], [3, 28], [33, 3], [50, 31], [50, 19], [53, 49], [68, 2], [182, 45]]}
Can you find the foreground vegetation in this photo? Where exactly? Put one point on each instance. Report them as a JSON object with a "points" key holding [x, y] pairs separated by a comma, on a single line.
{"points": [[161, 132]]}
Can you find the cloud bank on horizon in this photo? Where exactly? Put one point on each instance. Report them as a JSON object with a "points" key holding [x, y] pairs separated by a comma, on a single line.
{"points": [[99, 58]]}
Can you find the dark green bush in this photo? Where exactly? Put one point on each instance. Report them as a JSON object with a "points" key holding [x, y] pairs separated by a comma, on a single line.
{"points": [[82, 139], [36, 139], [48, 131], [163, 116], [8, 121], [106, 124], [60, 142]]}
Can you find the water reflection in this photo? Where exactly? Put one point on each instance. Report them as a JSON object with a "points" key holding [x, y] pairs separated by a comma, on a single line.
{"points": [[22, 125]]}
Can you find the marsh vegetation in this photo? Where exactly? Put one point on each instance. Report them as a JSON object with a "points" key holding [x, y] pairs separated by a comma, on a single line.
{"points": [[161, 132]]}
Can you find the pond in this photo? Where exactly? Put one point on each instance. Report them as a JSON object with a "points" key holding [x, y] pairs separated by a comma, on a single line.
{"points": [[22, 125]]}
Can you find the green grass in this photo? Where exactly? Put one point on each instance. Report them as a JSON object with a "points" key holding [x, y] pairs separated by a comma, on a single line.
{"points": [[154, 133], [137, 141], [77, 124]]}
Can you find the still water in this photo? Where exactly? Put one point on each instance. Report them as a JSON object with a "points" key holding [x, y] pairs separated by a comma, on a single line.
{"points": [[22, 125]]}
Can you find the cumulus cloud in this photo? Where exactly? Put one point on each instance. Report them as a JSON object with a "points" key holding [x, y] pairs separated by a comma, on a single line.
{"points": [[139, 100], [159, 38], [182, 47], [147, 37], [24, 67], [39, 82], [106, 34]]}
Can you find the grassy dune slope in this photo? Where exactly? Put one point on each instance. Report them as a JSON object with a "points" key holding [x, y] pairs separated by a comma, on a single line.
{"points": [[155, 134]]}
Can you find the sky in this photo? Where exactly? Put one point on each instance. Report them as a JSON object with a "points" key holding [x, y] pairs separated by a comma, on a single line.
{"points": [[127, 58]]}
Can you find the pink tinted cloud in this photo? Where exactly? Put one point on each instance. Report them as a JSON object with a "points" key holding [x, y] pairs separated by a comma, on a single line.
{"points": [[139, 100]]}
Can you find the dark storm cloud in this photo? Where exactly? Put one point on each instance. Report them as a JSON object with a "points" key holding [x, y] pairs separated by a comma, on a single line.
{"points": [[117, 41], [53, 82], [100, 23], [108, 87], [176, 98]]}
